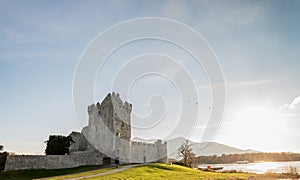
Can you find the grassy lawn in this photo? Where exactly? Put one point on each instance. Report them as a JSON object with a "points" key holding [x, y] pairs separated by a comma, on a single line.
{"points": [[164, 171], [87, 173], [150, 171], [33, 174]]}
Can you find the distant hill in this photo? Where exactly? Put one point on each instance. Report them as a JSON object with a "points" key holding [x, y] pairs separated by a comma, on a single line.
{"points": [[200, 149], [143, 140]]}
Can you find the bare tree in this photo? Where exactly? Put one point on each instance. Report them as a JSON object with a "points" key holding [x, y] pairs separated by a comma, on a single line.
{"points": [[185, 151]]}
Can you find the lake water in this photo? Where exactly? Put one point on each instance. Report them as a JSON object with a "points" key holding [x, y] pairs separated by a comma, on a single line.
{"points": [[259, 168]]}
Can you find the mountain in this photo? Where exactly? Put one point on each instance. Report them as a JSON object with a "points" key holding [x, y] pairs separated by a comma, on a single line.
{"points": [[200, 149], [143, 140]]}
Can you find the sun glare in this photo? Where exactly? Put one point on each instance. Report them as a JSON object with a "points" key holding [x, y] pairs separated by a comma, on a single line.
{"points": [[255, 123], [259, 114]]}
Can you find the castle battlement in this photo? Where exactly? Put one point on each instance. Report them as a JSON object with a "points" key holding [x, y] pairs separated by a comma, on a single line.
{"points": [[119, 105], [114, 100]]}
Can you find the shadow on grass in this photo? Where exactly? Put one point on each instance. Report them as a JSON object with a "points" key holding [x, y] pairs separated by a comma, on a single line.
{"points": [[32, 174], [164, 167]]}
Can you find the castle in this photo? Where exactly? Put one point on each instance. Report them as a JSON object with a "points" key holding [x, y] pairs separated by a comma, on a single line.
{"points": [[106, 140], [109, 132]]}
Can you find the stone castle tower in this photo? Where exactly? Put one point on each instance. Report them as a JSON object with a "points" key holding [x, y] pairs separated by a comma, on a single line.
{"points": [[109, 128], [109, 132]]}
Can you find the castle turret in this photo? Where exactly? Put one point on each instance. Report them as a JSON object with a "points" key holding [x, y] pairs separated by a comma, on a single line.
{"points": [[109, 127]]}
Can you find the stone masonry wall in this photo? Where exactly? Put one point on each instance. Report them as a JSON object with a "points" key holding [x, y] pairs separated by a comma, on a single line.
{"points": [[18, 162], [80, 142], [142, 152]]}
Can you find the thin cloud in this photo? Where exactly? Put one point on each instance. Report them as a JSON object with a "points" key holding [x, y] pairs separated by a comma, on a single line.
{"points": [[210, 126], [249, 83], [291, 105], [240, 83]]}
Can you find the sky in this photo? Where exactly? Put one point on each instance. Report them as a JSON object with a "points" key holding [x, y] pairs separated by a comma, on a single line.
{"points": [[257, 44]]}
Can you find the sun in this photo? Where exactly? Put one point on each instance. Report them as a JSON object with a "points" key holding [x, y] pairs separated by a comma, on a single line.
{"points": [[257, 121], [261, 127]]}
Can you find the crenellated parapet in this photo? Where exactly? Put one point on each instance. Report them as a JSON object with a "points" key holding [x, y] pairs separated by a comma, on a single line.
{"points": [[142, 152], [123, 110], [112, 105]]}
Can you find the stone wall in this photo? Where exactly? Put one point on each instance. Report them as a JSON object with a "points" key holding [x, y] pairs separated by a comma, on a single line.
{"points": [[142, 152], [80, 142], [19, 162], [98, 133]]}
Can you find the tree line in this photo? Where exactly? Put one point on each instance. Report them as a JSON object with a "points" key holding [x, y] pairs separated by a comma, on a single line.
{"points": [[251, 157], [58, 145]]}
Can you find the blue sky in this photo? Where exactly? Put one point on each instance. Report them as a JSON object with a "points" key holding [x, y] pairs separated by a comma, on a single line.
{"points": [[257, 44]]}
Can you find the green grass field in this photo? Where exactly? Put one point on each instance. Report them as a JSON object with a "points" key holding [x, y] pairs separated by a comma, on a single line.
{"points": [[164, 171], [150, 171], [33, 174]]}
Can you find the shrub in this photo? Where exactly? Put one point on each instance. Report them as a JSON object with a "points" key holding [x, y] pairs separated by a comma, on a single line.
{"points": [[58, 145], [292, 170], [3, 156]]}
